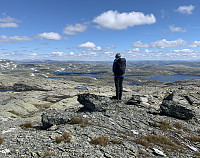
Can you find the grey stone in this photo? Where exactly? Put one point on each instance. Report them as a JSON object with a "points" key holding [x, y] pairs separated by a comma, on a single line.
{"points": [[94, 102], [174, 109], [56, 118]]}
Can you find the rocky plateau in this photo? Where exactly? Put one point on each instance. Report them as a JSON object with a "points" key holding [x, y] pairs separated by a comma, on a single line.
{"points": [[76, 116]]}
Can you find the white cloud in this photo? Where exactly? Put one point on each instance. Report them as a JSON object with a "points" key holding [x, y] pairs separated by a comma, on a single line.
{"points": [[90, 46], [164, 43], [7, 21], [57, 54], [120, 21], [14, 38], [110, 47], [185, 9], [4, 25], [195, 44], [184, 51], [161, 44], [33, 54], [71, 53], [176, 29], [140, 44], [74, 29], [50, 35]]}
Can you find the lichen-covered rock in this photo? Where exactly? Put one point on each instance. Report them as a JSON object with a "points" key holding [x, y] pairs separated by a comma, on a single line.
{"points": [[174, 109]]}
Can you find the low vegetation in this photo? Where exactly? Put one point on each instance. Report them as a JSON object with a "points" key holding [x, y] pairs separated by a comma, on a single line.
{"points": [[65, 137], [79, 120], [163, 125], [163, 141], [27, 125], [101, 140], [193, 138], [1, 140]]}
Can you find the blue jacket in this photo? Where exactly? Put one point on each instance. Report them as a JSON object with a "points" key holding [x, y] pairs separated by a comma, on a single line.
{"points": [[119, 66]]}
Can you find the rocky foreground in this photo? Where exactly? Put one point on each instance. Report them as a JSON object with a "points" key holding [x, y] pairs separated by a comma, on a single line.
{"points": [[61, 118]]}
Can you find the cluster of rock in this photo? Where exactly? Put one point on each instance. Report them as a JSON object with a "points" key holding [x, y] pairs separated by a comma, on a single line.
{"points": [[149, 122]]}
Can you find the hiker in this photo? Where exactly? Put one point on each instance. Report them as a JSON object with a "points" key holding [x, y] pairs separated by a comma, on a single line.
{"points": [[119, 67]]}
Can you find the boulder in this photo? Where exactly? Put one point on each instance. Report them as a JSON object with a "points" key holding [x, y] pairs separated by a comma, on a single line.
{"points": [[94, 102], [175, 109], [56, 118]]}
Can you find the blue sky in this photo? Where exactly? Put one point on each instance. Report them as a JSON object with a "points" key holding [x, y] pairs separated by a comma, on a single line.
{"points": [[98, 29]]}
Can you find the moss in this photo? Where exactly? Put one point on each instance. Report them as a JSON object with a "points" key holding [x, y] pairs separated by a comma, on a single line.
{"points": [[101, 140]]}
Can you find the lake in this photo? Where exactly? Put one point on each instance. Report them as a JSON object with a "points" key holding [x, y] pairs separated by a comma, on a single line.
{"points": [[175, 77]]}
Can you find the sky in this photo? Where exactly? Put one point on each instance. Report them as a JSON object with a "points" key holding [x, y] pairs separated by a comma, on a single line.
{"points": [[95, 30]]}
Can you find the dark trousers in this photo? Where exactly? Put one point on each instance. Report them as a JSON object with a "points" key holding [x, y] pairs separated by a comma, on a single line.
{"points": [[119, 87]]}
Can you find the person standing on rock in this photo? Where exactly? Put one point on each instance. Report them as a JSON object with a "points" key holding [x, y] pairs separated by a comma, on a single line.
{"points": [[119, 67]]}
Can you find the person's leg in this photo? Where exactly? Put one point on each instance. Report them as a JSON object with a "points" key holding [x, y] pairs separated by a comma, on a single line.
{"points": [[120, 87], [117, 87]]}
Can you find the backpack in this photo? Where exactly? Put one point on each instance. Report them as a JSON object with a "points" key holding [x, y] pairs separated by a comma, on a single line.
{"points": [[120, 67]]}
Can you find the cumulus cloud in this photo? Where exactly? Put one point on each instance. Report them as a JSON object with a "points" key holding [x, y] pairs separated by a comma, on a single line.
{"points": [[7, 21], [184, 51], [120, 21], [6, 39], [74, 29], [176, 29], [90, 46], [49, 35], [57, 54], [71, 53], [185, 9], [164, 43], [140, 44], [195, 44], [161, 44]]}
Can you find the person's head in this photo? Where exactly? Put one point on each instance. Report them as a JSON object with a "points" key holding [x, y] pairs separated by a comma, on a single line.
{"points": [[118, 55]]}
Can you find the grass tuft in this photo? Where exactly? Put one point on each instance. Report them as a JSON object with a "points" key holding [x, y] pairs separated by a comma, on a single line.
{"points": [[76, 120], [58, 139], [1, 140], [116, 141], [178, 125], [151, 140], [101, 140], [65, 137], [193, 138], [27, 125], [79, 120], [163, 125]]}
